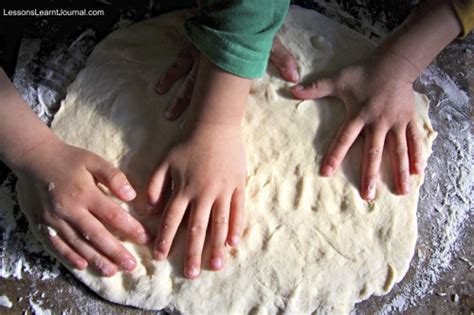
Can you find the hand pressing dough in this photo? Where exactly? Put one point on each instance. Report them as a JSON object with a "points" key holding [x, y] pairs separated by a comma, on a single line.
{"points": [[311, 244]]}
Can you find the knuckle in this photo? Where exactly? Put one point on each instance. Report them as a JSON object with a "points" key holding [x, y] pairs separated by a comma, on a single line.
{"points": [[343, 138], [371, 177], [375, 154], [403, 174], [115, 216], [217, 246], [75, 240], [194, 256], [197, 230], [220, 220], [115, 176], [401, 149]]}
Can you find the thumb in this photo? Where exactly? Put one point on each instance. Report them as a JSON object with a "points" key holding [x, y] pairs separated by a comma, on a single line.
{"points": [[111, 177], [317, 89]]}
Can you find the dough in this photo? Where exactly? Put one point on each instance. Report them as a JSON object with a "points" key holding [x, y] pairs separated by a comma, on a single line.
{"points": [[311, 244]]}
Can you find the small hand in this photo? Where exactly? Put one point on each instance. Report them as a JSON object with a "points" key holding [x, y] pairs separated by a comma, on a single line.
{"points": [[207, 172], [379, 103], [74, 213], [186, 65]]}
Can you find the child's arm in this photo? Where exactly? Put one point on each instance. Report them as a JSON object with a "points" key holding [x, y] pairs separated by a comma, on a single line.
{"points": [[207, 169], [378, 96], [61, 181]]}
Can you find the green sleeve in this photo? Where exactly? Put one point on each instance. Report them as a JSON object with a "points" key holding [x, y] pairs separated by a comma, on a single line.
{"points": [[237, 36]]}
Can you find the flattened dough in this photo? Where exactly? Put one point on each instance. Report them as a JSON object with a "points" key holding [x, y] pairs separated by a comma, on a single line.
{"points": [[311, 244]]}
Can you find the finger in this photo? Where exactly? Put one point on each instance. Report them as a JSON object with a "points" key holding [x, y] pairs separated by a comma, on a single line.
{"points": [[110, 176], [115, 216], [345, 137], [219, 229], [318, 89], [415, 151], [397, 145], [284, 60], [177, 70], [183, 97], [373, 148], [101, 239], [172, 217], [236, 216], [91, 255], [156, 184], [197, 227], [64, 250]]}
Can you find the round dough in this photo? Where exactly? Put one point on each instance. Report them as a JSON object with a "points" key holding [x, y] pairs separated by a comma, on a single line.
{"points": [[311, 244]]}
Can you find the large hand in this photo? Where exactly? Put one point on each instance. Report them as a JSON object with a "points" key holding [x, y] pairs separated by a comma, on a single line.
{"points": [[380, 103], [186, 66], [74, 213], [207, 172]]}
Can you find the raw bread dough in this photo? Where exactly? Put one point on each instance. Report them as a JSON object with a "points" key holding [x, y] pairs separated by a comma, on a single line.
{"points": [[311, 244]]}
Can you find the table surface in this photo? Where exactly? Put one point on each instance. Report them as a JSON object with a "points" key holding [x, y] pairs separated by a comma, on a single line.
{"points": [[452, 293]]}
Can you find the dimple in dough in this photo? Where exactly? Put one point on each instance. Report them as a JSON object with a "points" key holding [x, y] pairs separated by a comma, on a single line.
{"points": [[310, 244]]}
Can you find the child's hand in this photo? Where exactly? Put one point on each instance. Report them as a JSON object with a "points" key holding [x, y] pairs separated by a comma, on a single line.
{"points": [[379, 102], [74, 213], [186, 66], [207, 174]]}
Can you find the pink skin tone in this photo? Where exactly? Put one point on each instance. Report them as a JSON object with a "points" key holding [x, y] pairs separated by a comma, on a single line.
{"points": [[377, 94], [207, 169], [63, 181]]}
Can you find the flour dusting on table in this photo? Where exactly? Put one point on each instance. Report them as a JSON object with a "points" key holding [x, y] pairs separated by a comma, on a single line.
{"points": [[444, 203]]}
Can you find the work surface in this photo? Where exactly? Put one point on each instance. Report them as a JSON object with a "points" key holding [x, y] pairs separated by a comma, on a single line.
{"points": [[440, 279]]}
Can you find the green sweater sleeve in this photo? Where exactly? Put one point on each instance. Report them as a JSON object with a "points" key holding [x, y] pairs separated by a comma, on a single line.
{"points": [[237, 36]]}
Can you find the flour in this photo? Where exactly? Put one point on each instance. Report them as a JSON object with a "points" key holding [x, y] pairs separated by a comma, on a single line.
{"points": [[444, 199], [5, 302], [37, 309]]}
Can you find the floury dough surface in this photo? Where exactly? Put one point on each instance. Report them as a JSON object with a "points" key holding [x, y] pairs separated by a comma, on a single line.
{"points": [[310, 244]]}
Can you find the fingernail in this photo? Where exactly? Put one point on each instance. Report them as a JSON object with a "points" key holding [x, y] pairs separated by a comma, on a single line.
{"points": [[169, 115], [419, 167], [159, 255], [216, 263], [371, 191], [298, 88], [159, 87], [81, 264], [295, 76], [144, 237], [128, 192], [107, 270], [128, 264], [328, 170], [234, 240], [192, 272], [405, 188]]}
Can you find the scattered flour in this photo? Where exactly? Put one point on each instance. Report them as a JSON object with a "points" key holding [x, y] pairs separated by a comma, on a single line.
{"points": [[445, 198], [5, 301], [37, 309]]}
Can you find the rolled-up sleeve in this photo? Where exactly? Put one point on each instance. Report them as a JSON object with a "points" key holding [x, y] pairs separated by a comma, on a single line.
{"points": [[235, 35]]}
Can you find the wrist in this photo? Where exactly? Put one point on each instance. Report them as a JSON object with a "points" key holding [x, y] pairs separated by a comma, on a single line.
{"points": [[391, 64], [214, 130], [25, 158]]}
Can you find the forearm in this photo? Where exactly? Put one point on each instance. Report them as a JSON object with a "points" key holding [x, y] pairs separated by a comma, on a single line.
{"points": [[412, 47], [20, 129], [219, 97]]}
